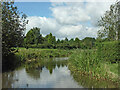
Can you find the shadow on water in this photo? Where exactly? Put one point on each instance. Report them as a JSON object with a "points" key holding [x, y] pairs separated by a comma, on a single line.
{"points": [[10, 63]]}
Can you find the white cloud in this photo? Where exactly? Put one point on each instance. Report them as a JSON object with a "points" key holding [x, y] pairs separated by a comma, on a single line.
{"points": [[96, 9], [71, 19], [69, 15], [46, 25]]}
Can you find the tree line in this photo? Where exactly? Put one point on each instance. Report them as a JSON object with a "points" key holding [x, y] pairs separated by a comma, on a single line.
{"points": [[14, 22], [34, 39]]}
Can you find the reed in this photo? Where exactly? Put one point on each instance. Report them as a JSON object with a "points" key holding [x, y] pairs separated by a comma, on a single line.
{"points": [[87, 62], [32, 54]]}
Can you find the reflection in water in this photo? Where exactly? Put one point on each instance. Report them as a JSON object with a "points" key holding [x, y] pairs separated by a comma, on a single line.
{"points": [[60, 59], [33, 69], [51, 74], [88, 82], [34, 72], [7, 79]]}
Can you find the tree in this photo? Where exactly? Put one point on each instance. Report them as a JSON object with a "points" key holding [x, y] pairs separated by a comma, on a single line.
{"points": [[41, 39], [110, 23], [88, 42], [71, 40], [33, 36], [66, 39], [51, 39], [58, 41], [77, 42], [62, 41], [13, 25]]}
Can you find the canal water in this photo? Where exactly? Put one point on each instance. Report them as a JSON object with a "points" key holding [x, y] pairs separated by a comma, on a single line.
{"points": [[53, 74], [56, 75]]}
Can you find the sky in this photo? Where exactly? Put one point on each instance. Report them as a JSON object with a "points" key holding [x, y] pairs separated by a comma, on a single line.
{"points": [[64, 19]]}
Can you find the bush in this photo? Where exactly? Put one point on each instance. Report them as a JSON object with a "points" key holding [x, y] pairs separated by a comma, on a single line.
{"points": [[108, 51], [49, 46], [85, 60]]}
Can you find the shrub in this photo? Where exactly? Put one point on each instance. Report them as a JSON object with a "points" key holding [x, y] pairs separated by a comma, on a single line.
{"points": [[108, 51]]}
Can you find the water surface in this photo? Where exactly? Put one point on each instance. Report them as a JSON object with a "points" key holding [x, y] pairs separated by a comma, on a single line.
{"points": [[55, 75]]}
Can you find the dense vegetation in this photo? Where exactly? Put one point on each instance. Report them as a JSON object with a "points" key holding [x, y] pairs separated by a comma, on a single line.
{"points": [[109, 51], [34, 39], [91, 62], [96, 57], [98, 62], [29, 55], [110, 23], [13, 25]]}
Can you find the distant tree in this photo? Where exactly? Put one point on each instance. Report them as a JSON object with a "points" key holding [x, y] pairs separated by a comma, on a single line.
{"points": [[62, 41], [71, 40], [51, 39], [77, 42], [66, 39], [58, 41], [46, 39], [13, 25], [41, 39], [110, 23], [88, 42], [33, 36]]}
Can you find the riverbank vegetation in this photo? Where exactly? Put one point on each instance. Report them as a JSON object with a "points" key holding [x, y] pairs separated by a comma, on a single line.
{"points": [[34, 54], [102, 63], [96, 57], [87, 62]]}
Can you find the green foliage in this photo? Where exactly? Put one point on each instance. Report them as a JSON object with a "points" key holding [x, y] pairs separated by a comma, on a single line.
{"points": [[77, 42], [33, 36], [71, 40], [88, 42], [12, 27], [51, 39], [58, 41], [110, 23], [46, 45], [36, 54], [108, 51], [86, 60], [66, 39], [89, 81]]}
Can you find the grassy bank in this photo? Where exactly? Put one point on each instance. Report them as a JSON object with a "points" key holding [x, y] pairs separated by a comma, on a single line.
{"points": [[33, 54], [88, 81], [86, 62]]}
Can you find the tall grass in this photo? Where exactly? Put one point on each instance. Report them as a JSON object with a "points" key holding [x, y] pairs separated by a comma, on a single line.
{"points": [[35, 54], [87, 62]]}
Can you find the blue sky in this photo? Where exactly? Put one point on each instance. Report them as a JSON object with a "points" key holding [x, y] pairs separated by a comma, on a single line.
{"points": [[64, 19], [35, 8]]}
